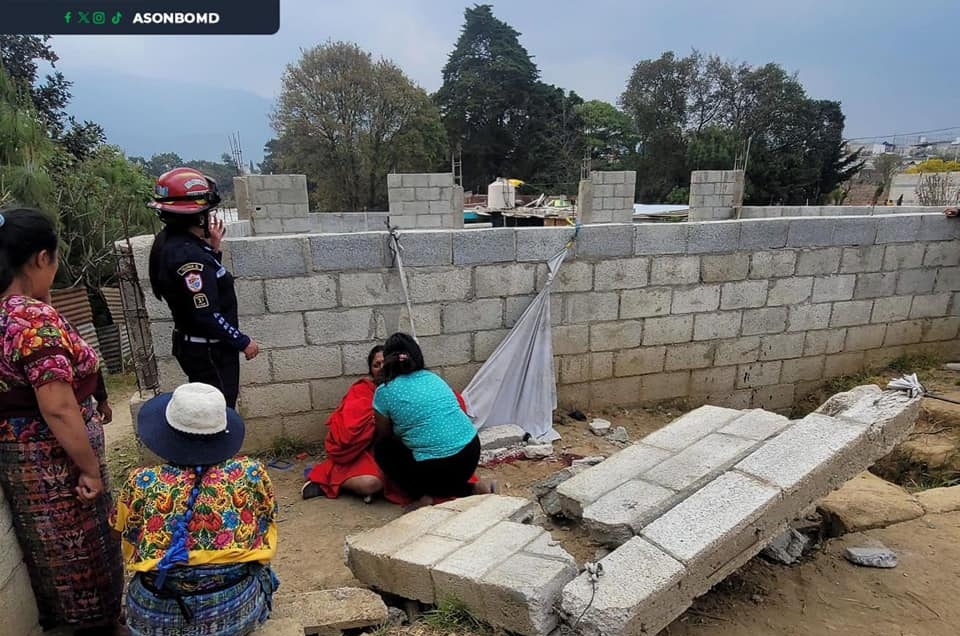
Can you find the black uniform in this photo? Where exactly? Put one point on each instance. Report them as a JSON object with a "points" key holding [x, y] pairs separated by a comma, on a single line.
{"points": [[200, 294]]}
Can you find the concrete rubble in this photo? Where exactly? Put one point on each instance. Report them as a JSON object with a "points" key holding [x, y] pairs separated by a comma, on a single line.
{"points": [[681, 510], [873, 557], [325, 612], [599, 426]]}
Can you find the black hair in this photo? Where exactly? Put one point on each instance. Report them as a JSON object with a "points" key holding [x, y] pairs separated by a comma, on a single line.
{"points": [[401, 355], [370, 356], [24, 233], [174, 225]]}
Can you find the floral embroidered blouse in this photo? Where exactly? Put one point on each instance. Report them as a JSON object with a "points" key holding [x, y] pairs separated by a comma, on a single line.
{"points": [[39, 346], [234, 517]]}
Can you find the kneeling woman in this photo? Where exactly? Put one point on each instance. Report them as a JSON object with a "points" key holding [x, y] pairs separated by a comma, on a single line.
{"points": [[426, 443], [200, 529]]}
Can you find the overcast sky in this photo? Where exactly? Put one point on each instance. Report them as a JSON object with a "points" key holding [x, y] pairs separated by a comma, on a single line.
{"points": [[893, 64]]}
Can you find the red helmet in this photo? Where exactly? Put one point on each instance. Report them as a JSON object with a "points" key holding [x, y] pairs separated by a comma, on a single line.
{"points": [[184, 191]]}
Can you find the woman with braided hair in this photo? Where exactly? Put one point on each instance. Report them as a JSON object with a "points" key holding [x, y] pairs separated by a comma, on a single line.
{"points": [[199, 530]]}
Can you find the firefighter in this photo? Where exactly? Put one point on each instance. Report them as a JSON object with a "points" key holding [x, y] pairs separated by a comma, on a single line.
{"points": [[186, 271]]}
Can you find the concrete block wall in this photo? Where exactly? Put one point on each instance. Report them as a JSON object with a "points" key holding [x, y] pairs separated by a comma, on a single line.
{"points": [[17, 603], [607, 197], [715, 194], [425, 201], [274, 203], [751, 313], [335, 222], [779, 211]]}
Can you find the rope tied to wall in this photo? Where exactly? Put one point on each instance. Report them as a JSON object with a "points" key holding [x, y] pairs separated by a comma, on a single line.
{"points": [[397, 249]]}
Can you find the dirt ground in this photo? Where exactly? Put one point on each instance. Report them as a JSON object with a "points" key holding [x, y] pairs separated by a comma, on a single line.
{"points": [[823, 594]]}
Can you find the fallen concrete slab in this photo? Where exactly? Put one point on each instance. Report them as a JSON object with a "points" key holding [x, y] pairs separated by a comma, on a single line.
{"points": [[652, 578], [503, 436], [477, 550]]}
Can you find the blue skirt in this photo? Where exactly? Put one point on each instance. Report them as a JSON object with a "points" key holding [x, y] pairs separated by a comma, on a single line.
{"points": [[205, 600]]}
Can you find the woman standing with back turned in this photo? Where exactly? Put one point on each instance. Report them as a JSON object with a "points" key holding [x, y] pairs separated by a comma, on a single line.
{"points": [[185, 270]]}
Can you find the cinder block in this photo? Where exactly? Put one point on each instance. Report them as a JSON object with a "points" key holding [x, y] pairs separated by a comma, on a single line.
{"points": [[345, 325], [715, 524], [639, 361], [857, 260], [521, 595], [843, 364], [942, 254], [541, 243], [765, 265], [782, 346], [626, 273], [660, 238], [948, 279], [484, 245], [639, 592], [415, 180], [789, 291], [758, 374], [766, 320], [903, 333], [265, 257], [725, 324], [691, 427], [664, 386], [891, 309], [723, 267], [811, 232], [916, 281], [393, 180], [937, 227], [900, 257], [366, 289], [473, 316], [447, 350], [514, 306], [326, 394], [831, 288], [902, 228], [824, 342], [427, 286], [712, 237], [573, 276], [850, 313], [510, 279], [504, 436], [668, 330], [698, 299], [485, 515], [360, 250], [614, 336], [932, 306], [605, 241], [441, 179], [301, 294], [697, 355], [486, 342], [276, 330], [876, 285], [712, 383], [582, 489], [866, 337], [615, 518], [305, 363], [801, 370], [756, 424], [744, 294], [941, 329], [809, 317], [700, 462], [422, 248], [570, 339], [763, 234], [739, 351], [818, 262], [274, 399], [675, 270], [591, 307], [855, 231], [644, 303]]}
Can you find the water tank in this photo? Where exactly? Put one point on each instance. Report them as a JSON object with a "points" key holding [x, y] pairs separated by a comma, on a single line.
{"points": [[501, 195]]}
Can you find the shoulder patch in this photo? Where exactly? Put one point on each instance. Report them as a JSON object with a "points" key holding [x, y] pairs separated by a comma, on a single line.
{"points": [[194, 282], [189, 267], [200, 301]]}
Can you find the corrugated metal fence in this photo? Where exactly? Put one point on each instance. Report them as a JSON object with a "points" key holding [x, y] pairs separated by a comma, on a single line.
{"points": [[111, 341]]}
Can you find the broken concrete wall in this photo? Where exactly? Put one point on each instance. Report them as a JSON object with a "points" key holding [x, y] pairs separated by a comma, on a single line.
{"points": [[751, 313]]}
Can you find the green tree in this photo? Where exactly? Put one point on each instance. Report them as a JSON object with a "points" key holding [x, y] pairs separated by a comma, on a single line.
{"points": [[25, 149], [609, 134], [345, 121], [489, 85]]}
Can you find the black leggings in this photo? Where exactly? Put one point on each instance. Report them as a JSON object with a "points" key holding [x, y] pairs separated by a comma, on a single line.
{"points": [[214, 364], [446, 477]]}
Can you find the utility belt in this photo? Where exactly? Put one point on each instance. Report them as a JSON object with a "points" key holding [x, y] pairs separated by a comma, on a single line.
{"points": [[178, 590], [179, 336]]}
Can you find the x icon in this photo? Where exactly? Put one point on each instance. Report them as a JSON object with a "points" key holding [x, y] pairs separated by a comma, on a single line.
{"points": [[84, 17]]}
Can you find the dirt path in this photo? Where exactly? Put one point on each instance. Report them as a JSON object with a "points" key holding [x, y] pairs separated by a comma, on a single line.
{"points": [[822, 595]]}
